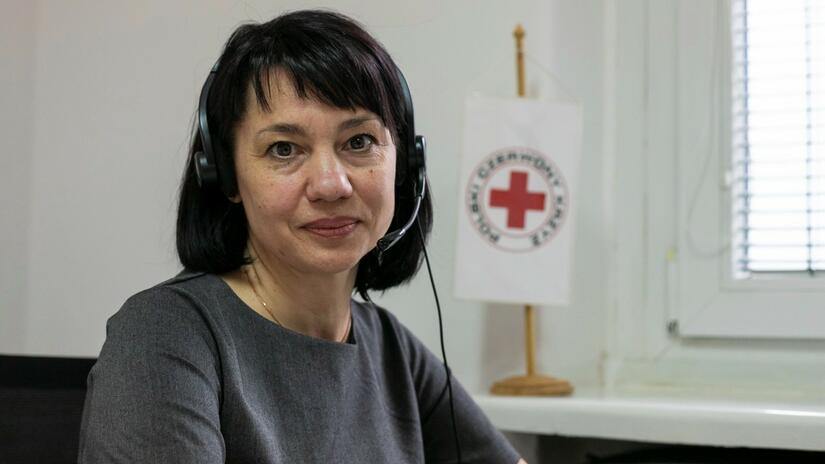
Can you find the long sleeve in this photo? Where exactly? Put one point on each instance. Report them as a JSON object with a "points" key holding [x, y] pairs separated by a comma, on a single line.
{"points": [[154, 393], [480, 441]]}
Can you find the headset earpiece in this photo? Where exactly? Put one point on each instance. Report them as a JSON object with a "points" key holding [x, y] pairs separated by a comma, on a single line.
{"points": [[205, 171], [206, 167], [419, 159], [414, 144]]}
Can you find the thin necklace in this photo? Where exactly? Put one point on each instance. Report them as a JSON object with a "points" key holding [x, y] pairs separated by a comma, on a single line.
{"points": [[269, 311], [260, 300]]}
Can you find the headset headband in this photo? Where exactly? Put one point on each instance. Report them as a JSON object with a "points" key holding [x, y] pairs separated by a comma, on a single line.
{"points": [[210, 176]]}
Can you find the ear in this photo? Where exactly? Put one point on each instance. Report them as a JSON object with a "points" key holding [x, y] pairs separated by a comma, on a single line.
{"points": [[236, 198]]}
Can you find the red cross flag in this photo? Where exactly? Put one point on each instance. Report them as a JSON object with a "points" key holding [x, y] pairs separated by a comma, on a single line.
{"points": [[517, 200]]}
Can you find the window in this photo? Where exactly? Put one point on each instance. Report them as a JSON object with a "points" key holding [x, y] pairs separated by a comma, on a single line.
{"points": [[778, 135], [681, 317], [732, 169]]}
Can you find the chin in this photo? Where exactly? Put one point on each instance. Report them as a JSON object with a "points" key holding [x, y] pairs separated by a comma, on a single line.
{"points": [[335, 262]]}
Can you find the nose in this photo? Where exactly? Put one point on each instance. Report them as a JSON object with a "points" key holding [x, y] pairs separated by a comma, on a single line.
{"points": [[328, 178]]}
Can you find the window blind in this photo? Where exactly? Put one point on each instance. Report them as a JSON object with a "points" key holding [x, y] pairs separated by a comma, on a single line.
{"points": [[778, 124]]}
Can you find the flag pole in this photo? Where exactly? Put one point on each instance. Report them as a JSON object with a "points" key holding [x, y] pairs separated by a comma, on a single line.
{"points": [[531, 340], [530, 384]]}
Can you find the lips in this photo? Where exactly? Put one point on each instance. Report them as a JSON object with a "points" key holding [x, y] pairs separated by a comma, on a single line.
{"points": [[334, 227]]}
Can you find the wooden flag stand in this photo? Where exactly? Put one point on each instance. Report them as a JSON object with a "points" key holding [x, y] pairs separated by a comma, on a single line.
{"points": [[530, 384]]}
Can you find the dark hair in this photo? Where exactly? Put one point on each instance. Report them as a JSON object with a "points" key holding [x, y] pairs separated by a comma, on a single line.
{"points": [[331, 58]]}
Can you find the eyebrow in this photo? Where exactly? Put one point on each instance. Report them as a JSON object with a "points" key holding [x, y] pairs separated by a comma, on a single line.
{"points": [[294, 129]]}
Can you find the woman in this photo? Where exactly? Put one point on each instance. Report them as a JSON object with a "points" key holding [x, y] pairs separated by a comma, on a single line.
{"points": [[256, 351]]}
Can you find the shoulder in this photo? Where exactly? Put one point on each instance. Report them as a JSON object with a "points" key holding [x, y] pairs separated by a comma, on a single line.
{"points": [[174, 308], [379, 321], [164, 328], [373, 314], [385, 326], [157, 380], [186, 289]]}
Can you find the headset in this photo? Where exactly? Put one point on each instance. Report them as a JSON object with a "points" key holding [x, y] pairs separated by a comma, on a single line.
{"points": [[210, 176]]}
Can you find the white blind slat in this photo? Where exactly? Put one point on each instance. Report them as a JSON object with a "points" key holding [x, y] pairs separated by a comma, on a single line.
{"points": [[778, 125]]}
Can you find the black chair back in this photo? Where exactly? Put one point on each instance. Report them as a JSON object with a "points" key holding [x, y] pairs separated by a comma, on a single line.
{"points": [[41, 403]]}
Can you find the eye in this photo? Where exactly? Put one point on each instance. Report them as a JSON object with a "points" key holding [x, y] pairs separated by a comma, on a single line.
{"points": [[281, 150], [361, 142]]}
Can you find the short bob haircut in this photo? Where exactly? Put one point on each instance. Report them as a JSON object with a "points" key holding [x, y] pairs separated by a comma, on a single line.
{"points": [[331, 58]]}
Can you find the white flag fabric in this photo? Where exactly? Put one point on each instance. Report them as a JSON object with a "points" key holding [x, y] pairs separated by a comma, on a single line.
{"points": [[517, 200]]}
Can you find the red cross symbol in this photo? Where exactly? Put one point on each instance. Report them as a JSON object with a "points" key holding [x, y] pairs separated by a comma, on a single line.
{"points": [[517, 200]]}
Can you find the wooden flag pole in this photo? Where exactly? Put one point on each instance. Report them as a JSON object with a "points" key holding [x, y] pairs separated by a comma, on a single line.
{"points": [[530, 338], [530, 384], [518, 33]]}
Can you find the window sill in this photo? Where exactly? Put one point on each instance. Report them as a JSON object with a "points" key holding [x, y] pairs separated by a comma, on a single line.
{"points": [[675, 419]]}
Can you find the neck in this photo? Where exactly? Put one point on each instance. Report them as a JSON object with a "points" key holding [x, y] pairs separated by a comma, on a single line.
{"points": [[317, 305]]}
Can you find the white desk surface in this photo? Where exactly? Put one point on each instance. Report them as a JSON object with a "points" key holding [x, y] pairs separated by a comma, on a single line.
{"points": [[676, 419]]}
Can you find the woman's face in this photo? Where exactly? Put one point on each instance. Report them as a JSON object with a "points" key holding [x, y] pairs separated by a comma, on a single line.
{"points": [[316, 182]]}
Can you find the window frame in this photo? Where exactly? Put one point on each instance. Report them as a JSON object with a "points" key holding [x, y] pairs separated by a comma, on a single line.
{"points": [[701, 296]]}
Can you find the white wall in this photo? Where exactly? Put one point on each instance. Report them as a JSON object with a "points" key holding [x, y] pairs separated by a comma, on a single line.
{"points": [[105, 119], [16, 92]]}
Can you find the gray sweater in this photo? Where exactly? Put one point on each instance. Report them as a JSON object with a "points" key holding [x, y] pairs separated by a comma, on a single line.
{"points": [[190, 374]]}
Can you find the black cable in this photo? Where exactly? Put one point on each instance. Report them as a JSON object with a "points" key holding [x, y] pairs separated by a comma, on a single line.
{"points": [[441, 337]]}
